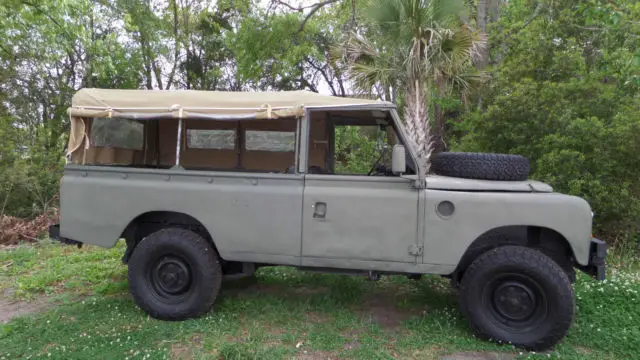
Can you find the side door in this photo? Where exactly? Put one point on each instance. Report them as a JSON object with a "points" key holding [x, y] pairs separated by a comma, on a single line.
{"points": [[355, 220], [359, 222]]}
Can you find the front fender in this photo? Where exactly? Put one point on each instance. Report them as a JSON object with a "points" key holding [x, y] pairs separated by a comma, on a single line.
{"points": [[475, 213]]}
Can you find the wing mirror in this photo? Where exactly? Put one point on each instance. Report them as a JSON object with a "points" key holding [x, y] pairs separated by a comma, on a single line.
{"points": [[398, 160]]}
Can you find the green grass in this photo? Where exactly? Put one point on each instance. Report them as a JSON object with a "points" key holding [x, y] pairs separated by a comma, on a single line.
{"points": [[287, 314], [52, 268]]}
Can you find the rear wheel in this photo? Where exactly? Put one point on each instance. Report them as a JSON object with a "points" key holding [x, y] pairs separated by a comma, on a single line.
{"points": [[517, 295], [174, 274]]}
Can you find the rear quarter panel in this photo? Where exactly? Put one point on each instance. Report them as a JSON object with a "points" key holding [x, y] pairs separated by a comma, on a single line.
{"points": [[238, 209], [447, 238]]}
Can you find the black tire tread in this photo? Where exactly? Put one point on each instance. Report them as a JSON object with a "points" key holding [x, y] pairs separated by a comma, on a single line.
{"points": [[212, 271], [533, 261], [481, 166]]}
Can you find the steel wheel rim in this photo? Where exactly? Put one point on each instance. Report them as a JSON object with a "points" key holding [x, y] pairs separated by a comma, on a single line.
{"points": [[170, 277], [515, 302]]}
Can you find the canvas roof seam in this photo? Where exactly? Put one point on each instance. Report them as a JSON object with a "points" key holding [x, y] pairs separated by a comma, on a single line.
{"points": [[170, 107], [233, 108]]}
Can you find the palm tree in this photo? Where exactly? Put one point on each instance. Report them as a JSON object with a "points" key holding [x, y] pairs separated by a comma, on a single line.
{"points": [[409, 49]]}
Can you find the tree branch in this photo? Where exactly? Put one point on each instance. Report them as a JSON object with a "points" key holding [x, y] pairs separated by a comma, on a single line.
{"points": [[70, 37], [280, 2], [177, 49], [323, 73], [314, 9]]}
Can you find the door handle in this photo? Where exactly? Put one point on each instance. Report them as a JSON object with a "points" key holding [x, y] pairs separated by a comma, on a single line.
{"points": [[319, 210]]}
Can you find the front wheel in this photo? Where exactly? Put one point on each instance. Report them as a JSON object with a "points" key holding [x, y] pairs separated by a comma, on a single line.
{"points": [[517, 295], [174, 274]]}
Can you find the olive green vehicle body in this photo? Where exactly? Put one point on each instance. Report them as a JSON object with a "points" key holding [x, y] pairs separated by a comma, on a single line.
{"points": [[414, 224]]}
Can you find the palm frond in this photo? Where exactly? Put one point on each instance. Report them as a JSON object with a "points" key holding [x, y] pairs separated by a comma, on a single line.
{"points": [[420, 45], [389, 17], [444, 12]]}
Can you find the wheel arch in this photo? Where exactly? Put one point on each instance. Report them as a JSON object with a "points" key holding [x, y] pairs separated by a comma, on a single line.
{"points": [[146, 223], [547, 240]]}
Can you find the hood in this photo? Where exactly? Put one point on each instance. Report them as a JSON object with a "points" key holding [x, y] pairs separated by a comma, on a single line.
{"points": [[438, 182]]}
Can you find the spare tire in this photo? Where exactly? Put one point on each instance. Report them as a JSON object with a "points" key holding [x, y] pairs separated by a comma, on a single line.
{"points": [[481, 166]]}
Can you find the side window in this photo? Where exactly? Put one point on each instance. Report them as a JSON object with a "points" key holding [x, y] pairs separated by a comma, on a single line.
{"points": [[117, 133], [211, 139], [353, 142], [359, 149], [269, 145], [274, 141]]}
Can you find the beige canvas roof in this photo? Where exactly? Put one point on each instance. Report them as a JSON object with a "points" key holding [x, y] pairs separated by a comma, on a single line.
{"points": [[143, 104], [194, 104]]}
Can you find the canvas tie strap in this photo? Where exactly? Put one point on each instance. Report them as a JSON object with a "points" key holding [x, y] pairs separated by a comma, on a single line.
{"points": [[179, 109], [268, 108]]}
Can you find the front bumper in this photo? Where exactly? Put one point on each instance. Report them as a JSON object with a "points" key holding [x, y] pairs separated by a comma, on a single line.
{"points": [[54, 234], [597, 260]]}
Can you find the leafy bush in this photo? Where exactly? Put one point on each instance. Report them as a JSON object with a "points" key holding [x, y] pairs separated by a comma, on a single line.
{"points": [[355, 149], [585, 148], [566, 99], [29, 178]]}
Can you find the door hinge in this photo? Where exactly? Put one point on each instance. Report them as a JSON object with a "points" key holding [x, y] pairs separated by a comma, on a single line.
{"points": [[415, 250]]}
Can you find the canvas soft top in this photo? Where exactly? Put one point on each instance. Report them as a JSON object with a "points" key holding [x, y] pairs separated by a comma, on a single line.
{"points": [[196, 104], [153, 104]]}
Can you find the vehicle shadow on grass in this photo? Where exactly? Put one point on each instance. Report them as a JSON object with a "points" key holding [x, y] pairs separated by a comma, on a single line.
{"points": [[285, 314], [389, 302], [394, 316]]}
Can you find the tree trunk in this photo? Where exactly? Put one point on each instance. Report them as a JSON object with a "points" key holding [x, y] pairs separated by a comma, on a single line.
{"points": [[89, 74], [416, 115], [482, 12], [494, 10], [437, 130]]}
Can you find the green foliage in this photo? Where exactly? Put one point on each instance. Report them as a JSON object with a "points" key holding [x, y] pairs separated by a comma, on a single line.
{"points": [[28, 178], [356, 149], [29, 185], [275, 52], [566, 78], [564, 95], [273, 49]]}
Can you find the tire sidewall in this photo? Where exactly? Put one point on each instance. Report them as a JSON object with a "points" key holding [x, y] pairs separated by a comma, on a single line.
{"points": [[481, 166], [558, 299], [204, 282]]}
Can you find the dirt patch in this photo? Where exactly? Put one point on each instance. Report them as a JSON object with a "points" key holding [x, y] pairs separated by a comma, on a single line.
{"points": [[272, 289], [196, 339], [353, 337], [382, 309], [477, 355], [251, 289], [582, 350], [317, 318], [10, 309], [431, 352], [181, 352], [316, 355], [354, 344], [310, 290]]}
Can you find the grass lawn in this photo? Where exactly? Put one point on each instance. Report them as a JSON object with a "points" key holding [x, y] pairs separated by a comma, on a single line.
{"points": [[88, 314]]}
